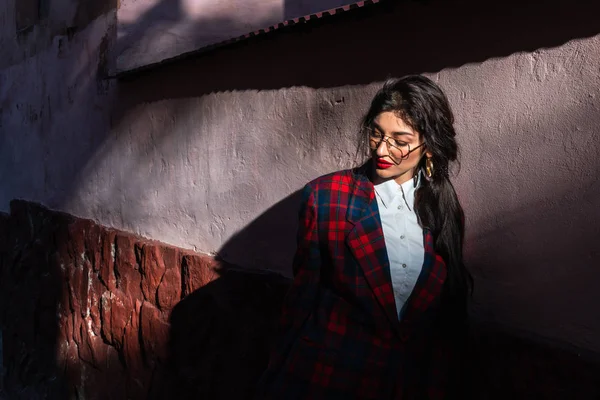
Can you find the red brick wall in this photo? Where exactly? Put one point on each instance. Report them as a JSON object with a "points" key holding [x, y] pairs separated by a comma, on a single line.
{"points": [[85, 309]]}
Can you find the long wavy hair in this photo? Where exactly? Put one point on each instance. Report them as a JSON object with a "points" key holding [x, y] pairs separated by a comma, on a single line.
{"points": [[422, 105]]}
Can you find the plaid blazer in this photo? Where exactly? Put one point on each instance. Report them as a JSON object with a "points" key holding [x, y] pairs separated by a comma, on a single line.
{"points": [[340, 334]]}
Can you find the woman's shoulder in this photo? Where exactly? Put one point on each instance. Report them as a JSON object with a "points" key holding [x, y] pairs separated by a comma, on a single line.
{"points": [[333, 180], [334, 188]]}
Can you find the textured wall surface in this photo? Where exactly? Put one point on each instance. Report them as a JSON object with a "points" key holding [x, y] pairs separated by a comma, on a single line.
{"points": [[209, 153]]}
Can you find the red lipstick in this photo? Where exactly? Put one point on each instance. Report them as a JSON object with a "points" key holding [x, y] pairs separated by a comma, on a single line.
{"points": [[382, 164]]}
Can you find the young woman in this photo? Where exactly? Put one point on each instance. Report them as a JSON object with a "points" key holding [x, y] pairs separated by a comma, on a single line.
{"points": [[377, 309]]}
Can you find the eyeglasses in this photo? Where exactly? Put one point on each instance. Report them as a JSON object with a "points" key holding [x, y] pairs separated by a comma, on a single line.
{"points": [[393, 146]]}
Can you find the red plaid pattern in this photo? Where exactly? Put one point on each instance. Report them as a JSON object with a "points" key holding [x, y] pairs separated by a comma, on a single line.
{"points": [[340, 334]]}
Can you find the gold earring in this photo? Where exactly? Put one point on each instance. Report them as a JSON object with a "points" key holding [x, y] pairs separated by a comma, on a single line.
{"points": [[429, 167]]}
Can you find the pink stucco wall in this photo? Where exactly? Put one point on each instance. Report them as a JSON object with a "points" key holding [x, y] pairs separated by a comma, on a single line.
{"points": [[209, 153]]}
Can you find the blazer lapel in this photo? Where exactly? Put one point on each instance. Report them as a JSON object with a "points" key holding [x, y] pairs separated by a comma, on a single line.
{"points": [[366, 242]]}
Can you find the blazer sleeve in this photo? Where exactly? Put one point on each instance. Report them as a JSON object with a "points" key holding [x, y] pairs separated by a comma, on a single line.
{"points": [[301, 298]]}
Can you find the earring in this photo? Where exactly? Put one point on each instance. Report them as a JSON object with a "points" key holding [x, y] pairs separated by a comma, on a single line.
{"points": [[429, 167]]}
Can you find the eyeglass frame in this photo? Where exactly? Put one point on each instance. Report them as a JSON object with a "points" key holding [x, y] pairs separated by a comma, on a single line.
{"points": [[385, 138]]}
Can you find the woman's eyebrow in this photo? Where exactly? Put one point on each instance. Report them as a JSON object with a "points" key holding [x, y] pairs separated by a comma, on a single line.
{"points": [[399, 133]]}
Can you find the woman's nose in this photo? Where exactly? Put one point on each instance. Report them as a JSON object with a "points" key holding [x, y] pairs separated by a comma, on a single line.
{"points": [[382, 148]]}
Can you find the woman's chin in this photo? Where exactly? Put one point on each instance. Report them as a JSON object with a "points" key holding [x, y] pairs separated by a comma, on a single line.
{"points": [[391, 170], [383, 174]]}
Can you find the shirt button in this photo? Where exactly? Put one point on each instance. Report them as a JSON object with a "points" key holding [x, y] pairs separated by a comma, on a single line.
{"points": [[400, 207], [403, 265], [402, 236]]}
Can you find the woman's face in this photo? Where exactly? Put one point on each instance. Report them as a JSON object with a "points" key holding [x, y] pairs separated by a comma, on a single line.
{"points": [[395, 147]]}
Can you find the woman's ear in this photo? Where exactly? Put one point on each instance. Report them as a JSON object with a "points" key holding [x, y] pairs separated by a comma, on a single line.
{"points": [[428, 154]]}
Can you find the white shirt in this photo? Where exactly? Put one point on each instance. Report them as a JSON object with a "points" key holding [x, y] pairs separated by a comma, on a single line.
{"points": [[403, 237]]}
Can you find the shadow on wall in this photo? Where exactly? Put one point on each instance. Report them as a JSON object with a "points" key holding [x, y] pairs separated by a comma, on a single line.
{"points": [[268, 241], [221, 335], [369, 44], [32, 282]]}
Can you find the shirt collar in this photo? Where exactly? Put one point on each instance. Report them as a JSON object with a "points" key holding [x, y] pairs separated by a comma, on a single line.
{"points": [[387, 191]]}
